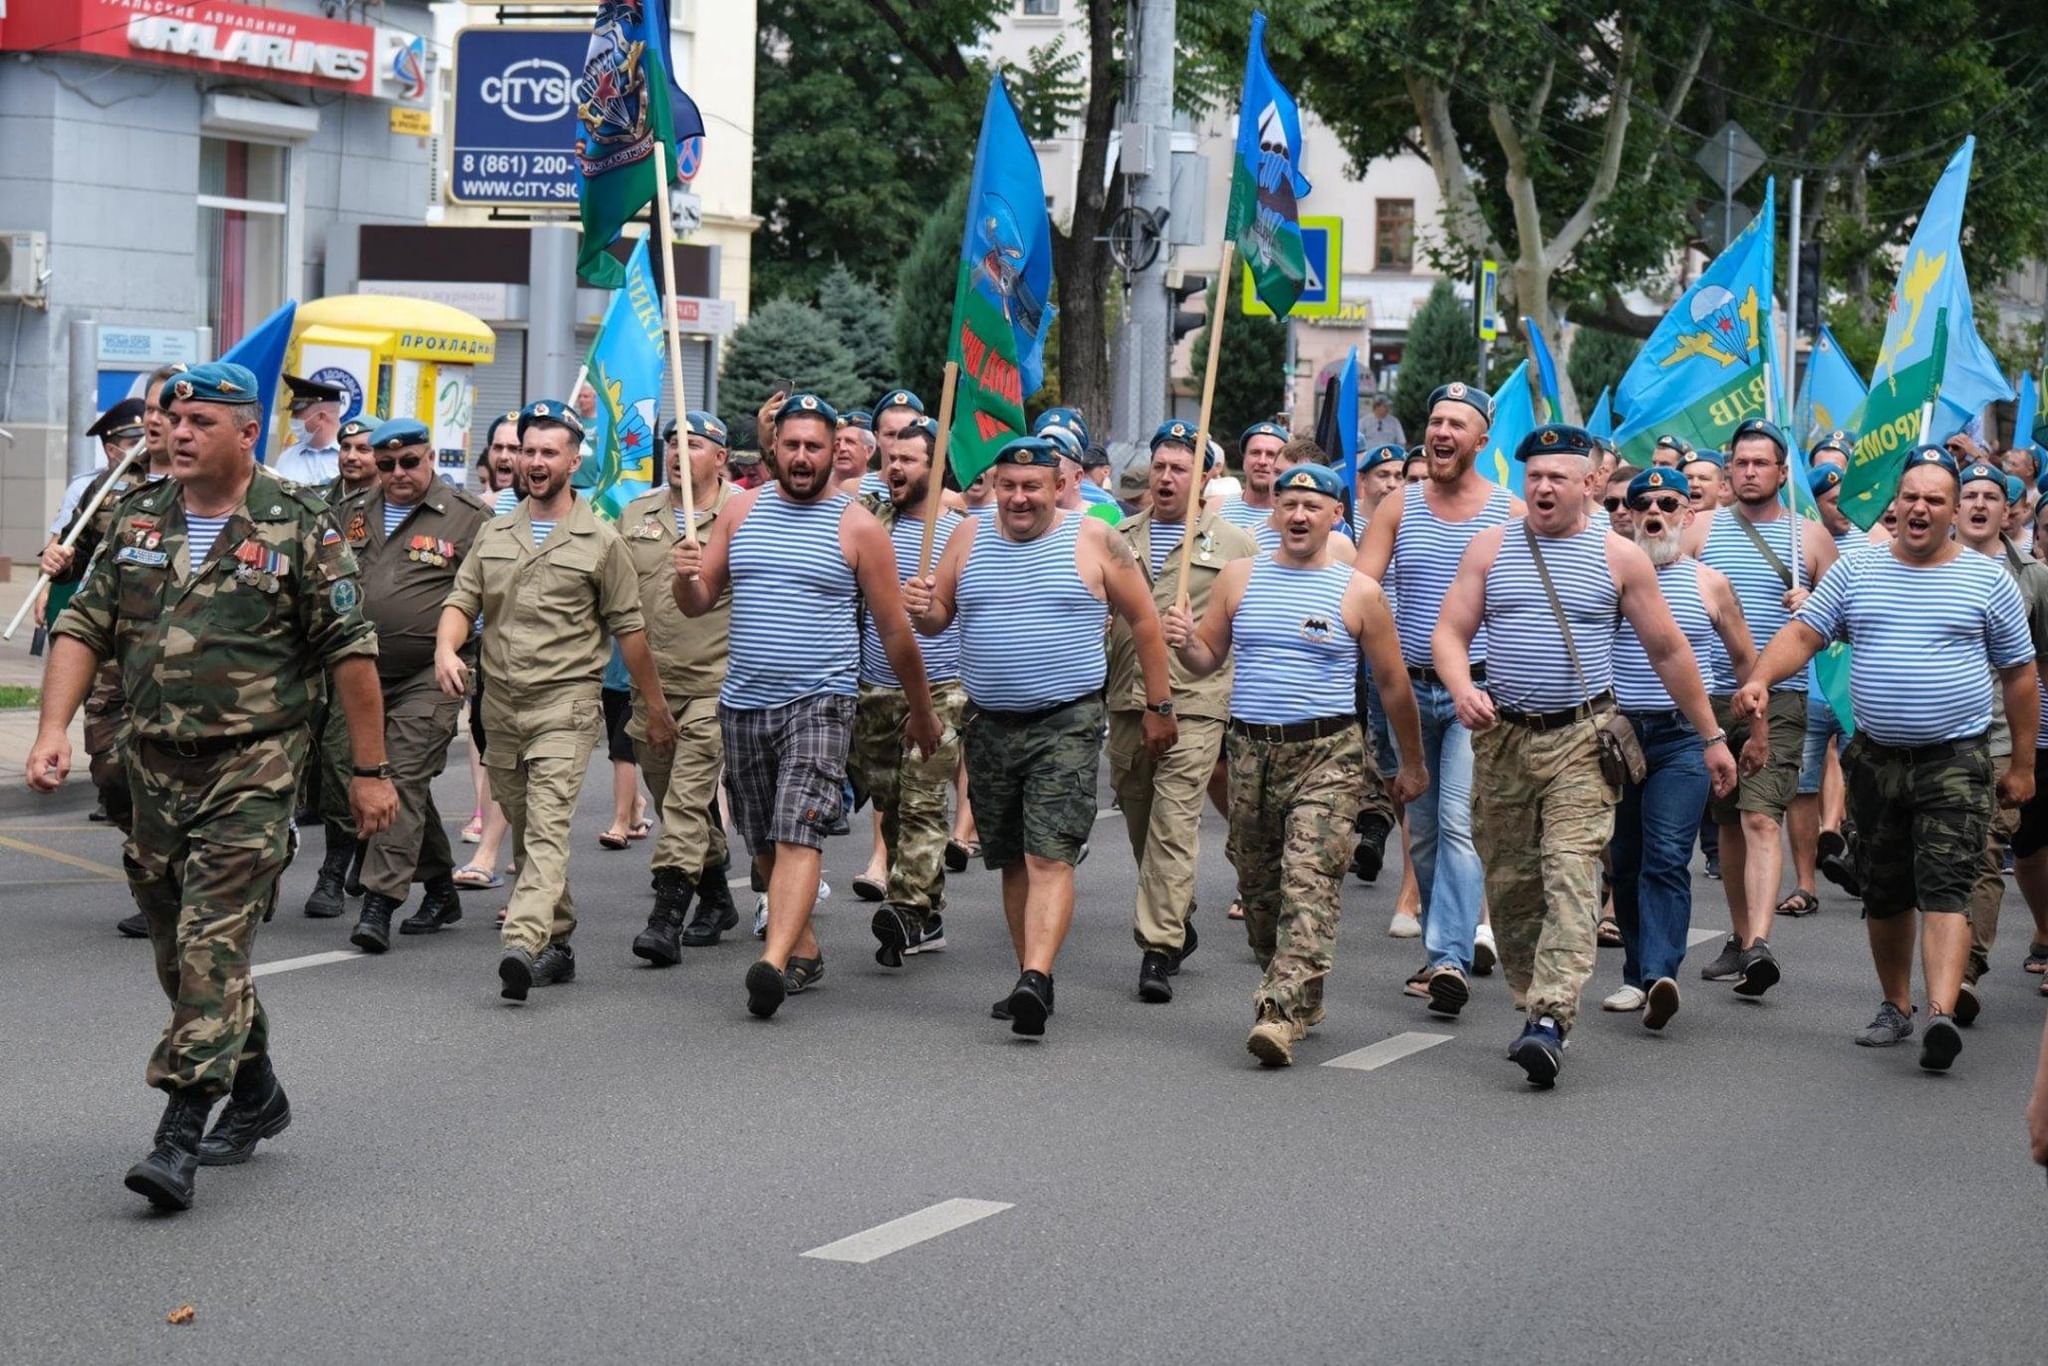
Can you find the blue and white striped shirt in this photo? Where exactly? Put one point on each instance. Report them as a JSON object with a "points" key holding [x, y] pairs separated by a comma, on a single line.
{"points": [[393, 515], [1239, 513], [1031, 634], [942, 651], [506, 501], [200, 534], [1092, 492], [541, 532], [1925, 639], [985, 513], [1636, 685], [1295, 661], [1528, 667], [1166, 538], [871, 482], [1426, 554], [1758, 587], [793, 604]]}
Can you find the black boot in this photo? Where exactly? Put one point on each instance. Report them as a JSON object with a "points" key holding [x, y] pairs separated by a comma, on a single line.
{"points": [[326, 901], [372, 933], [134, 927], [256, 1109], [352, 882], [165, 1176], [1153, 986], [660, 942], [715, 911], [1371, 853], [439, 908]]}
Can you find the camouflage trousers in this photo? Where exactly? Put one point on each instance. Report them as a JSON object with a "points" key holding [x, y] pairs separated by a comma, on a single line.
{"points": [[106, 742], [419, 722], [1162, 804], [685, 785], [1988, 896], [202, 860], [1541, 817], [908, 791], [1292, 804]]}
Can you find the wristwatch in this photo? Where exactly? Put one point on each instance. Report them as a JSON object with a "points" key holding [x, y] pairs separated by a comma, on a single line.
{"points": [[372, 770], [1719, 737], [1163, 708]]}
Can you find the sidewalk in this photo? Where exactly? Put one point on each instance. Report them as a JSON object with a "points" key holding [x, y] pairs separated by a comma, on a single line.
{"points": [[19, 668]]}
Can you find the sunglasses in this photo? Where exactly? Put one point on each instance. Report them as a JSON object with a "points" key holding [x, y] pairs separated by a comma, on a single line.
{"points": [[1612, 504], [386, 464], [1667, 506]]}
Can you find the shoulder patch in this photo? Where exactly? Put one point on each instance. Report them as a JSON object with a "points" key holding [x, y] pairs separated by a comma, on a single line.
{"points": [[344, 596]]}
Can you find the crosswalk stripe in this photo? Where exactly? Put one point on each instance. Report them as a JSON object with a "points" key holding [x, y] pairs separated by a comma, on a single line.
{"points": [[1375, 1056], [311, 960], [928, 1223]]}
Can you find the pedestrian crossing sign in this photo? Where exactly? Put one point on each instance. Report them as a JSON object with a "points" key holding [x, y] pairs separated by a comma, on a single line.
{"points": [[1322, 289]]}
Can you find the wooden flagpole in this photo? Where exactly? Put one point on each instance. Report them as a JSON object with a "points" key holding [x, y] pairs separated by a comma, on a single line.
{"points": [[937, 483], [1225, 281], [78, 526], [675, 344]]}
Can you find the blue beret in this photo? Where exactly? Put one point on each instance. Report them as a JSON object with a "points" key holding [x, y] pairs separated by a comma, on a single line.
{"points": [[550, 410], [1981, 471], [1934, 455], [1471, 395], [1658, 480], [1837, 440], [1689, 456], [900, 398], [1063, 442], [1174, 431], [922, 425], [1272, 429], [398, 433], [2015, 488], [806, 405], [856, 417], [217, 381], [1686, 453], [1764, 427], [1821, 478], [1559, 440], [1029, 450], [1065, 418], [360, 426], [1380, 455], [1310, 478], [706, 425]]}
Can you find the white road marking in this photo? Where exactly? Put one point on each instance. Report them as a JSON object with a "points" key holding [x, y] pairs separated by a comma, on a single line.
{"points": [[311, 960], [1375, 1056], [912, 1229], [1695, 938], [1110, 814]]}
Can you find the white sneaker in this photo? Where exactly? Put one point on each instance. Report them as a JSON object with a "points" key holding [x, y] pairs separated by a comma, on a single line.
{"points": [[824, 890], [1485, 953], [761, 917], [1626, 999], [1404, 926]]}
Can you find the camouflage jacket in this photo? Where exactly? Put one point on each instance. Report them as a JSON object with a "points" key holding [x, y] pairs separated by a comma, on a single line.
{"points": [[236, 647], [95, 531]]}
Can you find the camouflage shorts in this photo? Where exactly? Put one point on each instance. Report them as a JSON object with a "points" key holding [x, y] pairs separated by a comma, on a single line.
{"points": [[1031, 780], [1922, 818]]}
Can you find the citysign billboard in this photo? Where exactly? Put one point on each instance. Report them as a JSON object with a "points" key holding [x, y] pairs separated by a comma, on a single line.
{"points": [[515, 127]]}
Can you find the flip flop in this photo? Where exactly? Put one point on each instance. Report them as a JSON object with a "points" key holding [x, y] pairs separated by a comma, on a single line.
{"points": [[640, 830], [476, 879], [612, 841], [1608, 933], [870, 889], [2037, 958]]}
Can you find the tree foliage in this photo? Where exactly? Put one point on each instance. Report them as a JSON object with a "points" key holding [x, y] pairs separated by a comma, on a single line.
{"points": [[1251, 374], [1441, 347], [866, 323], [785, 340], [1598, 361], [924, 297]]}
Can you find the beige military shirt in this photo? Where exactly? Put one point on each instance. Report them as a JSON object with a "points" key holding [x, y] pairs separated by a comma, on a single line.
{"points": [[690, 653], [1217, 543], [548, 613], [407, 575]]}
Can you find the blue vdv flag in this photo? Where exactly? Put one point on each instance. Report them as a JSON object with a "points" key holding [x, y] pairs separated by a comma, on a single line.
{"points": [[1266, 184], [1600, 421], [626, 363], [1347, 430], [1546, 371], [2028, 412], [262, 350], [1514, 417], [1830, 394]]}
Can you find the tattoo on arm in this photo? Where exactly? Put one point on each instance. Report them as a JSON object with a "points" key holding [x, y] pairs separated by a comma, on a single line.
{"points": [[1120, 551]]}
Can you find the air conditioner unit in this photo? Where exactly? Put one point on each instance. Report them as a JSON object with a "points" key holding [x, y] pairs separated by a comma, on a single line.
{"points": [[24, 269]]}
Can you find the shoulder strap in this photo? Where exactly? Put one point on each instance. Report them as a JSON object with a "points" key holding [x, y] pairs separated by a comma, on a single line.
{"points": [[1756, 539], [1556, 607]]}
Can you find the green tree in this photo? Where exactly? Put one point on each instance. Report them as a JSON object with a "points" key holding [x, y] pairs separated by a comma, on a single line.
{"points": [[1441, 347], [866, 322], [784, 340], [924, 297], [1251, 374], [1598, 361]]}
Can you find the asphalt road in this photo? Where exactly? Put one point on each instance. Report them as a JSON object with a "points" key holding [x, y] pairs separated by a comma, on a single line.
{"points": [[630, 1167]]}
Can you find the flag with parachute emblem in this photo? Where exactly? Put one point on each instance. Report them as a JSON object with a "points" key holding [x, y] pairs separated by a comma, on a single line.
{"points": [[1266, 183], [625, 366], [1002, 296], [1703, 371], [626, 98]]}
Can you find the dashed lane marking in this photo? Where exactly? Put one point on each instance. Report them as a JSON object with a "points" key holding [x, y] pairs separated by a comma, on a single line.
{"points": [[912, 1229], [1695, 938], [1375, 1056], [86, 865], [311, 960]]}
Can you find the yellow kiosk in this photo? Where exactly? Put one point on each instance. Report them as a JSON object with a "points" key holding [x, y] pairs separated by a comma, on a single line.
{"points": [[394, 357]]}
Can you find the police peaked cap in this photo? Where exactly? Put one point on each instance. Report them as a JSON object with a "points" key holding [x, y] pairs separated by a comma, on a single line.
{"points": [[123, 419], [307, 392]]}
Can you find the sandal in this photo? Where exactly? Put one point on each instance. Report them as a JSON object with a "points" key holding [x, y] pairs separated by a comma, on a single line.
{"points": [[870, 888], [473, 833], [2037, 959], [1608, 932], [1418, 982], [1799, 902], [1236, 911], [641, 829], [958, 852], [475, 878], [612, 839]]}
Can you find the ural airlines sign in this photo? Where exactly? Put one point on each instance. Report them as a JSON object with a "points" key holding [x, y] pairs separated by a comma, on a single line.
{"points": [[242, 47]]}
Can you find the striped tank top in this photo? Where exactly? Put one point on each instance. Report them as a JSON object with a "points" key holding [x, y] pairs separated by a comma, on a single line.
{"points": [[1267, 536], [793, 604], [942, 651], [1031, 634], [1757, 587], [1239, 513], [1294, 659], [1636, 685], [1426, 554], [1528, 668]]}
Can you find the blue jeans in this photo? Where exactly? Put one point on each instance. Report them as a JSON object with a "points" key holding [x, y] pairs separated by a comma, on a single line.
{"points": [[1447, 867], [1821, 727], [1653, 833]]}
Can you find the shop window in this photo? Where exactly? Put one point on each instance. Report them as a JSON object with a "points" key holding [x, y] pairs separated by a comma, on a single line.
{"points": [[244, 222], [1394, 234], [1043, 9]]}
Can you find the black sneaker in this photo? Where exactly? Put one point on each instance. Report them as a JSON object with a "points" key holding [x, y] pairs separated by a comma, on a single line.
{"points": [[1891, 1027], [1154, 987], [1714, 867], [765, 989], [1030, 1002], [1539, 1052], [515, 974], [1941, 1043], [554, 964], [891, 933], [1728, 967], [133, 927], [1759, 970], [930, 939], [1969, 1005], [1190, 941], [1001, 1009], [802, 974]]}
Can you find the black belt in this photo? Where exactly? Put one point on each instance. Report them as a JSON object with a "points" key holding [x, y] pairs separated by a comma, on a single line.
{"points": [[1922, 754], [1422, 673], [1669, 716], [1291, 731], [1025, 718], [1553, 720], [201, 747]]}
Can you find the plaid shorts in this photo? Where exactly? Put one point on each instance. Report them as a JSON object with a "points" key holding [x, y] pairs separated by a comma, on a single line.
{"points": [[785, 768]]}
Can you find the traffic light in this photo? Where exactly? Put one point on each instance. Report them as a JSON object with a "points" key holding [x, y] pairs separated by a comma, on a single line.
{"points": [[1185, 320], [1808, 319]]}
